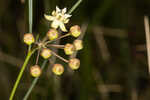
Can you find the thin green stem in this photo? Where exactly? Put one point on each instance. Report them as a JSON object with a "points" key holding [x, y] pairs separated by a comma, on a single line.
{"points": [[21, 73], [30, 19], [30, 6], [30, 15], [56, 46], [75, 6], [34, 82], [63, 59], [63, 36]]}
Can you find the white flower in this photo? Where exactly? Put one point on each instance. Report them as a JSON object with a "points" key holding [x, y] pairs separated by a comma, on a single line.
{"points": [[59, 18]]}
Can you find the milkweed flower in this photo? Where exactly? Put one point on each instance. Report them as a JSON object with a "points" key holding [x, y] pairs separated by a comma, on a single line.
{"points": [[28, 38], [58, 69], [35, 71], [59, 18], [52, 34], [75, 30], [78, 44], [74, 63], [69, 49], [46, 53]]}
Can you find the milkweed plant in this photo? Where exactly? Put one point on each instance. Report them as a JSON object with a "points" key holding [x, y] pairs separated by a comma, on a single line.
{"points": [[58, 18]]}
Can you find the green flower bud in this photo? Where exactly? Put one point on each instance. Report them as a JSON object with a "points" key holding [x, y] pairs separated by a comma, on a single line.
{"points": [[74, 63], [52, 34], [46, 53], [78, 44], [58, 69], [69, 49], [28, 38], [35, 71], [75, 31]]}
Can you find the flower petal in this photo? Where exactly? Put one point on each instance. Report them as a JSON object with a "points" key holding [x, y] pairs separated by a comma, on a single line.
{"points": [[48, 17], [64, 10], [57, 9], [66, 21], [55, 24], [54, 13], [62, 27], [67, 15]]}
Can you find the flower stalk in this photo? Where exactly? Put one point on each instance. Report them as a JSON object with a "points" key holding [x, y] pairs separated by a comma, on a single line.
{"points": [[21, 73]]}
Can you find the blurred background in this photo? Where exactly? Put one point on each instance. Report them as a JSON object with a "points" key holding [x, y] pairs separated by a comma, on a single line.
{"points": [[114, 62]]}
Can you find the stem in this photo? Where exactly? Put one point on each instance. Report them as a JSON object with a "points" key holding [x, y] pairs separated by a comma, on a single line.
{"points": [[37, 58], [30, 15], [74, 6], [34, 82], [147, 32], [30, 19], [20, 74], [29, 52], [63, 59], [68, 34], [56, 46]]}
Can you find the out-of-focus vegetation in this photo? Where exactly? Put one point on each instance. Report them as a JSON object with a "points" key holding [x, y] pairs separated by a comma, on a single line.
{"points": [[113, 62]]}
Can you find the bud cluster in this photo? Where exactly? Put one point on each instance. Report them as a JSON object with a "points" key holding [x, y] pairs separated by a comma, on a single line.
{"points": [[44, 46]]}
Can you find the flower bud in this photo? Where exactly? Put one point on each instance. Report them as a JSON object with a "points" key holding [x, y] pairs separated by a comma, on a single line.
{"points": [[74, 63], [46, 53], [58, 69], [28, 38], [75, 30], [35, 71], [78, 44], [69, 49], [52, 34]]}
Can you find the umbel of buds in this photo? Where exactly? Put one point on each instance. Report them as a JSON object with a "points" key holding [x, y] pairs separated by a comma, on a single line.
{"points": [[35, 71], [58, 69], [59, 18], [52, 34], [69, 49], [46, 53], [28, 38], [75, 31], [74, 63], [78, 44]]}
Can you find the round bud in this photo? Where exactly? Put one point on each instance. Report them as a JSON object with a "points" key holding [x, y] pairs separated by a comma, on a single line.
{"points": [[58, 69], [52, 34], [69, 49], [75, 31], [78, 44], [28, 38], [74, 63], [46, 53], [35, 71]]}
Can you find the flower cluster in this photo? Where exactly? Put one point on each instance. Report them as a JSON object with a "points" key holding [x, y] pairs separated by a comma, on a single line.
{"points": [[58, 20]]}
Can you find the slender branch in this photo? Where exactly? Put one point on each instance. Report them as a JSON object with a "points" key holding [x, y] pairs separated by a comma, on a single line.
{"points": [[75, 6], [30, 19], [20, 74], [63, 36], [30, 15], [147, 31], [60, 57], [56, 46], [98, 33], [28, 55], [37, 58], [34, 82]]}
